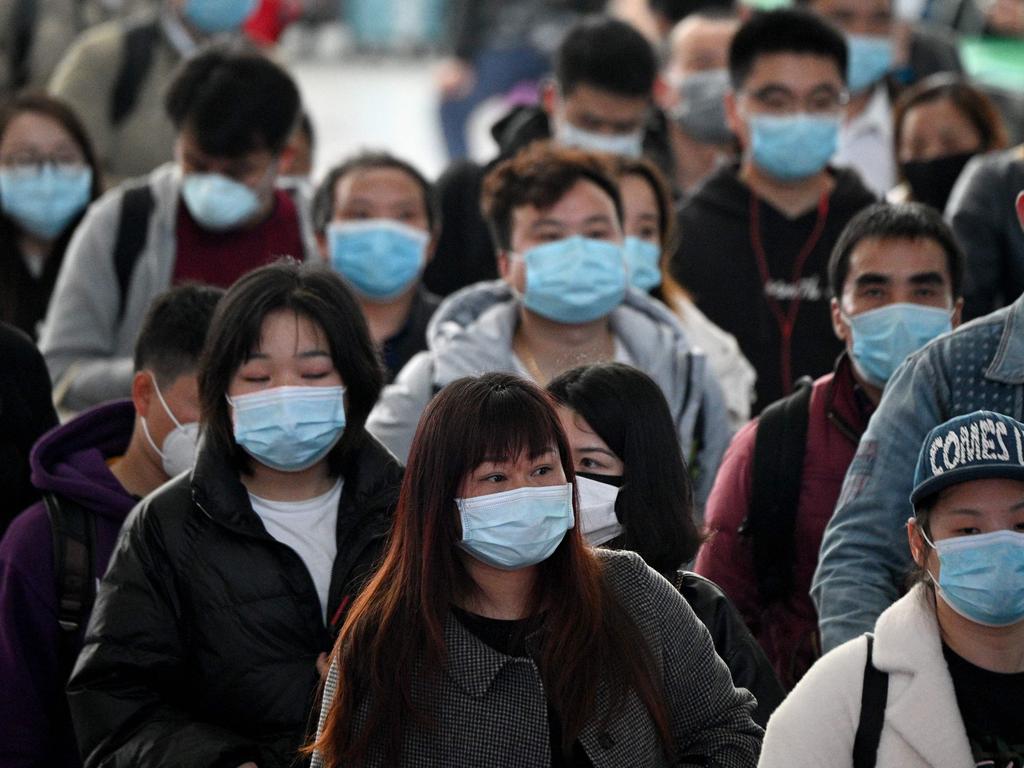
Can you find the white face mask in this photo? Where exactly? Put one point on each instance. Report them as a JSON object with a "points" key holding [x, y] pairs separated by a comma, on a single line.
{"points": [[179, 451], [627, 144], [598, 521]]}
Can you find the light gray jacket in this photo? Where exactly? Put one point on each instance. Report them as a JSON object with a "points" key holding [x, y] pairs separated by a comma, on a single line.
{"points": [[471, 333], [86, 339]]}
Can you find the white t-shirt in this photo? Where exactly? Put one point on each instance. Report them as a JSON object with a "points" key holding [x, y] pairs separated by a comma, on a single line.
{"points": [[309, 528]]}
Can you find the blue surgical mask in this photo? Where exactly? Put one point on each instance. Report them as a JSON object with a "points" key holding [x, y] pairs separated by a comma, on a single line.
{"points": [[45, 200], [217, 202], [643, 261], [882, 338], [380, 258], [289, 428], [214, 16], [700, 112], [870, 60], [575, 280], [792, 147], [981, 577], [518, 528], [626, 144]]}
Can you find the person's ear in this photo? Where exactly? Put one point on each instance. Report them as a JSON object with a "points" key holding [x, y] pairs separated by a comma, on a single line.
{"points": [[1020, 209], [732, 113], [958, 313], [549, 96], [504, 264], [431, 248], [839, 326], [321, 243], [665, 96], [918, 547], [142, 392]]}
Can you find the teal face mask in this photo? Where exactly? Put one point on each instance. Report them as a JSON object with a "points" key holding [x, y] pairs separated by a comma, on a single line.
{"points": [[214, 16], [575, 280], [217, 202], [45, 200], [518, 528], [793, 147], [882, 338], [870, 60], [380, 258], [289, 428], [643, 260]]}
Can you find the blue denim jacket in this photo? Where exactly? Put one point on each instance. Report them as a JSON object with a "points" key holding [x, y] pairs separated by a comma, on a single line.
{"points": [[865, 557]]}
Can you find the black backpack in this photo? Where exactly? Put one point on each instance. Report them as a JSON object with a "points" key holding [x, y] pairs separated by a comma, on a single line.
{"points": [[873, 699]]}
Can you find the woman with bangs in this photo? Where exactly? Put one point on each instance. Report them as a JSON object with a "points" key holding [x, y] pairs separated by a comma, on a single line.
{"points": [[491, 635]]}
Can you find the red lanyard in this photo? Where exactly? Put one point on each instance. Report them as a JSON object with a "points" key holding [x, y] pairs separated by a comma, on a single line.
{"points": [[786, 320]]}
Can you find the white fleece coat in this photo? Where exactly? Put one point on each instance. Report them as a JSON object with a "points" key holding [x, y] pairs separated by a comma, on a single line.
{"points": [[816, 725]]}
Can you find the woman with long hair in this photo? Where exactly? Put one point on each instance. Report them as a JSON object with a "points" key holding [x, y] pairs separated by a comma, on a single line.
{"points": [[492, 634]]}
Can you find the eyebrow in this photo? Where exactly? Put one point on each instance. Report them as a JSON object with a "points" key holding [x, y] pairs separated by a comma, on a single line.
{"points": [[310, 353], [597, 449], [927, 278]]}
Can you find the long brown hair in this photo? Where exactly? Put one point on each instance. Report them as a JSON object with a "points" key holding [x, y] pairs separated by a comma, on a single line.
{"points": [[396, 628]]}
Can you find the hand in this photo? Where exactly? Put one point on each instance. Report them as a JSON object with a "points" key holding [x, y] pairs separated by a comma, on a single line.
{"points": [[323, 663], [455, 78]]}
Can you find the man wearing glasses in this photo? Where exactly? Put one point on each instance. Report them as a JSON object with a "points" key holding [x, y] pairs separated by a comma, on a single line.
{"points": [[756, 237]]}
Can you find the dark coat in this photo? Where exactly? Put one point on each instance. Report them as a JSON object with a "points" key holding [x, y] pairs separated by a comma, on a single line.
{"points": [[204, 638]]}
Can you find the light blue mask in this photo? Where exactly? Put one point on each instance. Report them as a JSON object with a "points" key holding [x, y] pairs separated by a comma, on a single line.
{"points": [[625, 144], [214, 16], [518, 528], [792, 147], [870, 60], [380, 258], [981, 577], [643, 262], [217, 202], [44, 201], [289, 428], [882, 338], [575, 280]]}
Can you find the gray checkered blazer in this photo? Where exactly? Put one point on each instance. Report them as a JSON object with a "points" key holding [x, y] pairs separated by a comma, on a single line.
{"points": [[491, 709]]}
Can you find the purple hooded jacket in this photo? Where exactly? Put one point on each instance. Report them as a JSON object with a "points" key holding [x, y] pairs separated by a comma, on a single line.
{"points": [[71, 461]]}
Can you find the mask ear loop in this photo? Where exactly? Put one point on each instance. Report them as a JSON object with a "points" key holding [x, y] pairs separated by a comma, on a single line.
{"points": [[163, 402], [930, 543]]}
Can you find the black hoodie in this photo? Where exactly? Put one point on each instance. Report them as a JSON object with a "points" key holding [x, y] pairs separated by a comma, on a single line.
{"points": [[717, 262]]}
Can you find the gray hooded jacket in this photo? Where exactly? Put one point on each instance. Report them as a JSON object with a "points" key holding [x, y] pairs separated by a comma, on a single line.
{"points": [[471, 333]]}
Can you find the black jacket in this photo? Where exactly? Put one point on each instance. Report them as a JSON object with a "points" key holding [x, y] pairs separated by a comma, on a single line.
{"points": [[739, 650], [465, 251], [202, 645]]}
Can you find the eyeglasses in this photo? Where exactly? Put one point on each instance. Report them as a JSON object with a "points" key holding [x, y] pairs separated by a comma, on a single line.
{"points": [[29, 162], [776, 100]]}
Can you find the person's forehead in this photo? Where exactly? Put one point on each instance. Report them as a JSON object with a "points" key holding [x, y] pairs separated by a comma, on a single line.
{"points": [[699, 37], [896, 258], [376, 182], [605, 103], [852, 7], [583, 200], [36, 131], [798, 72]]}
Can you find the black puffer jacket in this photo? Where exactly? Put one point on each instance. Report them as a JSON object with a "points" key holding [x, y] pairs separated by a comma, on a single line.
{"points": [[202, 646]]}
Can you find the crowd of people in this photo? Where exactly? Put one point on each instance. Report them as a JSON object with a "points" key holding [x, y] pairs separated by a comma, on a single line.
{"points": [[686, 430]]}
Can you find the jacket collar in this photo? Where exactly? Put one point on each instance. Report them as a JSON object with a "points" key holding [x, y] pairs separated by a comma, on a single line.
{"points": [[1007, 365], [848, 408], [471, 663]]}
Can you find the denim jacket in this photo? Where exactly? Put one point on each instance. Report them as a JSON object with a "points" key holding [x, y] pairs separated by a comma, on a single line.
{"points": [[864, 554]]}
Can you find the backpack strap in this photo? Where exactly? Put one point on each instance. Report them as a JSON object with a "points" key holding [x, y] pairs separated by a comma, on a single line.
{"points": [[137, 205], [873, 699], [779, 450], [140, 40], [74, 545]]}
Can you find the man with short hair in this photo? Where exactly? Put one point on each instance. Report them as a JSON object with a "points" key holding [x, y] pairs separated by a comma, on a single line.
{"points": [[896, 276], [92, 471], [600, 99], [864, 557], [562, 301], [755, 239], [210, 217]]}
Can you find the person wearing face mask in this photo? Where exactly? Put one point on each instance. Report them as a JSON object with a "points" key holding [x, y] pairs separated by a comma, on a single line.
{"points": [[754, 240], [91, 472], [209, 217], [492, 633], [943, 672], [563, 300], [616, 419], [896, 276], [940, 124], [599, 99], [377, 224], [230, 582], [48, 176], [115, 75]]}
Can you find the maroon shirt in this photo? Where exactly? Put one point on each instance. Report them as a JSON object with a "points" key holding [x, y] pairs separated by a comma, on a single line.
{"points": [[220, 258]]}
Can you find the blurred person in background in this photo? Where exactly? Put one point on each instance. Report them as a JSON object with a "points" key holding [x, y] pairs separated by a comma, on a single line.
{"points": [[48, 176], [616, 420], [209, 217], [601, 99], [115, 76], [92, 471], [939, 125], [667, 14], [649, 228], [377, 224]]}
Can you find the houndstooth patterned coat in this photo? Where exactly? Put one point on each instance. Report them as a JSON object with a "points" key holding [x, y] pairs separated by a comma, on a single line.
{"points": [[491, 709]]}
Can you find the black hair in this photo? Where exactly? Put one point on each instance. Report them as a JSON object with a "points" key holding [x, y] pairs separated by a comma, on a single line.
{"points": [[311, 291], [905, 221], [323, 200], [607, 54], [234, 102], [627, 409], [306, 129], [674, 11], [786, 30], [174, 330]]}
